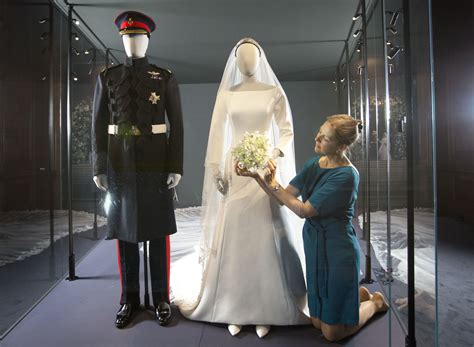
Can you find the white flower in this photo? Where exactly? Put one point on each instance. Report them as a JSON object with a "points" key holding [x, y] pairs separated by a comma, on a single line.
{"points": [[253, 151]]}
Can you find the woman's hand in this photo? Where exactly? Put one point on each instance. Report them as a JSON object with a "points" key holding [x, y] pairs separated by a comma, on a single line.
{"points": [[270, 172], [241, 171]]}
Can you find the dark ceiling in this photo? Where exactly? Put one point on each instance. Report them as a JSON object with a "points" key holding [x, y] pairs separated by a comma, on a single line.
{"points": [[303, 39]]}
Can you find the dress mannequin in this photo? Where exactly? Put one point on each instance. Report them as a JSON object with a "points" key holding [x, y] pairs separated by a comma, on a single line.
{"points": [[251, 270], [136, 46], [248, 59]]}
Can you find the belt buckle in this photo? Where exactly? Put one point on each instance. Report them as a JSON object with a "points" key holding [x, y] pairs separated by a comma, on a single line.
{"points": [[125, 130]]}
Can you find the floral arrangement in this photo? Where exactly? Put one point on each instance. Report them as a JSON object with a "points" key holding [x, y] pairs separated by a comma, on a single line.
{"points": [[81, 131], [252, 152], [397, 121]]}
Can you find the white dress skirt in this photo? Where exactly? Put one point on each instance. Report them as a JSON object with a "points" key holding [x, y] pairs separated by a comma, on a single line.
{"points": [[255, 275]]}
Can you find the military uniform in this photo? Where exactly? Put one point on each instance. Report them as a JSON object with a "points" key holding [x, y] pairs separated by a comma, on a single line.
{"points": [[137, 139]]}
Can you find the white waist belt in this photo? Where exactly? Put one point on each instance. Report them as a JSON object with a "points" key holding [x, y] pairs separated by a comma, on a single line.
{"points": [[155, 129]]}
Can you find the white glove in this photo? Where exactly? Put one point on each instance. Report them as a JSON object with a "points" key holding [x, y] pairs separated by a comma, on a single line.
{"points": [[173, 180], [276, 153], [101, 182]]}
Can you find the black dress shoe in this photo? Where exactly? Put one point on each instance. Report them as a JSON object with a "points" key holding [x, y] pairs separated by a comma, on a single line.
{"points": [[124, 315], [163, 313]]}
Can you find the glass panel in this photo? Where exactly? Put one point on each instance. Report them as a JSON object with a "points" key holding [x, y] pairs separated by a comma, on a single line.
{"points": [[34, 216], [424, 174], [88, 219], [30, 226]]}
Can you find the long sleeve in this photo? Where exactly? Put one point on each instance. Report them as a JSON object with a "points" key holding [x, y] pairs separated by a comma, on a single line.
{"points": [[100, 119], [284, 122], [174, 114], [215, 144]]}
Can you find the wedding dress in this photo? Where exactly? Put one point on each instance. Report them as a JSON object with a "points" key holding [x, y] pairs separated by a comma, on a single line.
{"points": [[250, 257]]}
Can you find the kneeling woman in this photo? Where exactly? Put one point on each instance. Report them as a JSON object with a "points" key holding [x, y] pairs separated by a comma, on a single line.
{"points": [[328, 186]]}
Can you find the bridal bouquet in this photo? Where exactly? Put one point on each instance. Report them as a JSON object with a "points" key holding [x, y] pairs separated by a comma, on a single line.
{"points": [[252, 152]]}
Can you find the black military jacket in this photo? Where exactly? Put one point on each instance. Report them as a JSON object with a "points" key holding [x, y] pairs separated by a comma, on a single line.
{"points": [[137, 94], [134, 96]]}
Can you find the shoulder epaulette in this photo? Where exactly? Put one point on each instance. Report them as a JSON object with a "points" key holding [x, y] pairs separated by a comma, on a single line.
{"points": [[162, 69], [110, 68]]}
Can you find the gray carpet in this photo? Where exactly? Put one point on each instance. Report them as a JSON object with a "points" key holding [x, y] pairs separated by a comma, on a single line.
{"points": [[81, 313], [455, 266]]}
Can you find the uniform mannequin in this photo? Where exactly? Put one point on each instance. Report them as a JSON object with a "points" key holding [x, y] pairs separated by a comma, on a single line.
{"points": [[135, 46], [138, 158]]}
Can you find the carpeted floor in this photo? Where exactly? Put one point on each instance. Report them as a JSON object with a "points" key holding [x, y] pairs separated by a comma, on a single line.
{"points": [[81, 313], [455, 275]]}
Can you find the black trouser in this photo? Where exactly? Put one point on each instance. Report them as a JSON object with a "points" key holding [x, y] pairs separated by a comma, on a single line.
{"points": [[129, 268]]}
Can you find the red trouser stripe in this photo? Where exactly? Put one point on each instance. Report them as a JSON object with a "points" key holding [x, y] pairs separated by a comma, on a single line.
{"points": [[168, 263], [119, 265]]}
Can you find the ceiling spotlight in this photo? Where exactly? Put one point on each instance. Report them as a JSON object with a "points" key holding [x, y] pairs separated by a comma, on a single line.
{"points": [[76, 21], [75, 36], [44, 36], [86, 52], [90, 71], [389, 43], [333, 82], [43, 20], [393, 30], [359, 47], [74, 77], [357, 16], [43, 78], [357, 33], [394, 52], [343, 80], [112, 62], [394, 18], [75, 51]]}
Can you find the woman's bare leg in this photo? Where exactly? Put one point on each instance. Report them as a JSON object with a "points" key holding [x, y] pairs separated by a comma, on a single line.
{"points": [[366, 311]]}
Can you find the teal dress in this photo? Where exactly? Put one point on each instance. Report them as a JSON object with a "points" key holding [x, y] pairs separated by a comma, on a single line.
{"points": [[331, 248]]}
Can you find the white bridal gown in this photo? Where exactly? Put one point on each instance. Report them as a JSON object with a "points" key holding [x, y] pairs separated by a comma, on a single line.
{"points": [[254, 276]]}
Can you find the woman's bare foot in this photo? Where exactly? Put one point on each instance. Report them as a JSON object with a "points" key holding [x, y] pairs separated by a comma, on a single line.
{"points": [[316, 323], [364, 294], [380, 302]]}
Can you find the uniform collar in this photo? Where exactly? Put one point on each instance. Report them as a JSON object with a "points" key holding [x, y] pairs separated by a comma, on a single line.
{"points": [[136, 62]]}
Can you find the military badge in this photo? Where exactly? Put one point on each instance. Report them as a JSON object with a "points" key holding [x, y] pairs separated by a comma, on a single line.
{"points": [[154, 98], [154, 75]]}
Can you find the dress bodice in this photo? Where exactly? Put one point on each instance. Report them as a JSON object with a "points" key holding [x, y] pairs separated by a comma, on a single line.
{"points": [[250, 111]]}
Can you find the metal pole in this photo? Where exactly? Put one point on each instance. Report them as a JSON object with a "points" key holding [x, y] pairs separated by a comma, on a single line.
{"points": [[435, 165], [52, 263], [389, 271], [72, 262], [348, 78], [368, 259], [410, 340], [339, 89]]}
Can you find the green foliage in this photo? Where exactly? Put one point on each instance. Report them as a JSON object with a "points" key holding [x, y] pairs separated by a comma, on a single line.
{"points": [[397, 131], [81, 132]]}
